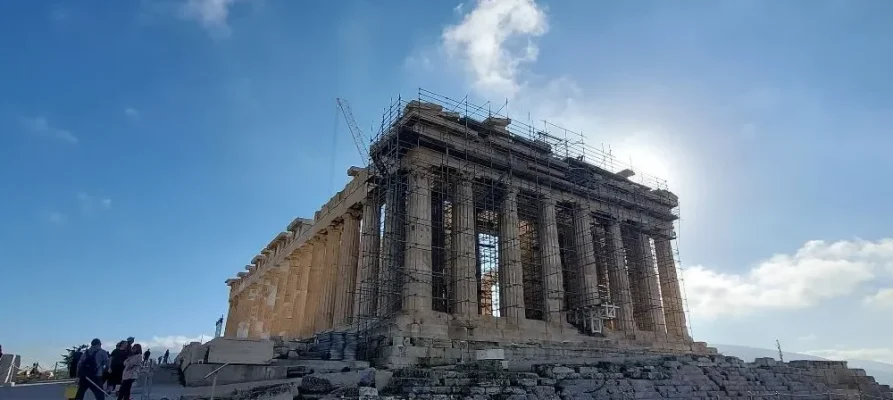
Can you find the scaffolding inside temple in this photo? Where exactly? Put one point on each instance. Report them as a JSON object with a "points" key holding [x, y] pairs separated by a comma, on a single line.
{"points": [[586, 241]]}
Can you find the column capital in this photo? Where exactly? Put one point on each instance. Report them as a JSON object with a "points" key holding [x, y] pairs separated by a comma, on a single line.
{"points": [[510, 195], [664, 234], [548, 199], [417, 171], [353, 214], [463, 176]]}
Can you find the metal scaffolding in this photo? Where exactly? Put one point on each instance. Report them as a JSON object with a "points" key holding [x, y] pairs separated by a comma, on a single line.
{"points": [[465, 197]]}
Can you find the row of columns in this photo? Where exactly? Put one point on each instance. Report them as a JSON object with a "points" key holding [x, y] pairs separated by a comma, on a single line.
{"points": [[317, 289], [312, 291], [629, 264]]}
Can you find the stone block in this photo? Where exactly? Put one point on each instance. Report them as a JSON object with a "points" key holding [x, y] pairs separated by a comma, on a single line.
{"points": [[489, 354], [368, 393], [239, 351], [195, 374]]}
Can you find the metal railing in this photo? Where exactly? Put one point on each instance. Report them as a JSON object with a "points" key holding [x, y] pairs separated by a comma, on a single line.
{"points": [[214, 380]]}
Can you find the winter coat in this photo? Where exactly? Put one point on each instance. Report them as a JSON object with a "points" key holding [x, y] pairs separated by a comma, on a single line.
{"points": [[132, 367]]}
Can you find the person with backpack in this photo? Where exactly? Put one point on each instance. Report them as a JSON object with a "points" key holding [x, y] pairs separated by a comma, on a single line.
{"points": [[91, 366]]}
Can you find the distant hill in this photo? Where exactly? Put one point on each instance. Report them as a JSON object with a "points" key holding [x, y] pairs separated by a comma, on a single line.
{"points": [[882, 372]]}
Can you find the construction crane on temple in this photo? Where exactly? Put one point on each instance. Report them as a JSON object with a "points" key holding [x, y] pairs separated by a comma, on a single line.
{"points": [[359, 138]]}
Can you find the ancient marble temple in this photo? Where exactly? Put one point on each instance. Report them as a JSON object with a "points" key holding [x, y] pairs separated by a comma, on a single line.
{"points": [[464, 230]]}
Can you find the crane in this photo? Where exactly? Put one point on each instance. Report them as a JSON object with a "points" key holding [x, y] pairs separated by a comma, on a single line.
{"points": [[358, 137]]}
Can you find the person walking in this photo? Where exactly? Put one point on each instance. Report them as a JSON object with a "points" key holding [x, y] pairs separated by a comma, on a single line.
{"points": [[131, 372], [119, 354], [90, 368], [73, 364], [146, 355], [167, 354]]}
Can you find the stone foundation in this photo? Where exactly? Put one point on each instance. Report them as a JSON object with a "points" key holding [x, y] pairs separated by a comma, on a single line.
{"points": [[680, 377], [433, 338]]}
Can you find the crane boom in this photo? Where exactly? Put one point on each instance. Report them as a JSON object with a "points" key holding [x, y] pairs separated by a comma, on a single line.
{"points": [[359, 139]]}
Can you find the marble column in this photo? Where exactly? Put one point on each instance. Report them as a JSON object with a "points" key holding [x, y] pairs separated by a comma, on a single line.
{"points": [[601, 258], [267, 300], [330, 272], [231, 324], [635, 262], [314, 284], [464, 257], [244, 314], [347, 270], [674, 311], [553, 285], [652, 285], [239, 317], [417, 268], [511, 287], [279, 320], [585, 255], [620, 290], [300, 316], [366, 298], [291, 289], [390, 265], [254, 296]]}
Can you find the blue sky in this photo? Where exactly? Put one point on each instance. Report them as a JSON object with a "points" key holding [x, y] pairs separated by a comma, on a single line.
{"points": [[149, 149]]}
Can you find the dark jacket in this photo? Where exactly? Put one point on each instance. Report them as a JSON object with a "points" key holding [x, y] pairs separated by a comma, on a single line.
{"points": [[118, 357], [102, 360], [73, 364]]}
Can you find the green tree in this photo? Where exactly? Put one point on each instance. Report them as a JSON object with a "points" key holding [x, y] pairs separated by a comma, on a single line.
{"points": [[69, 355]]}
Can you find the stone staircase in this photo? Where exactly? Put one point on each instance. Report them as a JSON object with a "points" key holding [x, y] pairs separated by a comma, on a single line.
{"points": [[166, 375]]}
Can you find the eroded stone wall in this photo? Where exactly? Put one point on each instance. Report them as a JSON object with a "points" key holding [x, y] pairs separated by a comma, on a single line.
{"points": [[680, 377]]}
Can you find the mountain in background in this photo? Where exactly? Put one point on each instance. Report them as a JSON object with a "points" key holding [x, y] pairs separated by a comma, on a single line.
{"points": [[882, 372]]}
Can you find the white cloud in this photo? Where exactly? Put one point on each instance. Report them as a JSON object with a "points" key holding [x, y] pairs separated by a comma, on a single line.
{"points": [[89, 203], [817, 271], [492, 43], [883, 298], [41, 127], [132, 113], [485, 43], [881, 354], [173, 343], [212, 14]]}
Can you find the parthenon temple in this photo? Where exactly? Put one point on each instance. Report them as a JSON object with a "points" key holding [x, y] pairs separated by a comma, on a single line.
{"points": [[468, 227]]}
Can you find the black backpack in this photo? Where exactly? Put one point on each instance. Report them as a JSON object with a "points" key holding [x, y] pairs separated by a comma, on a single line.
{"points": [[89, 367]]}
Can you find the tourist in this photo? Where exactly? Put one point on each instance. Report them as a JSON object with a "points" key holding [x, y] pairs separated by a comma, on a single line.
{"points": [[119, 354], [167, 354], [131, 372], [73, 363], [146, 355], [90, 368]]}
